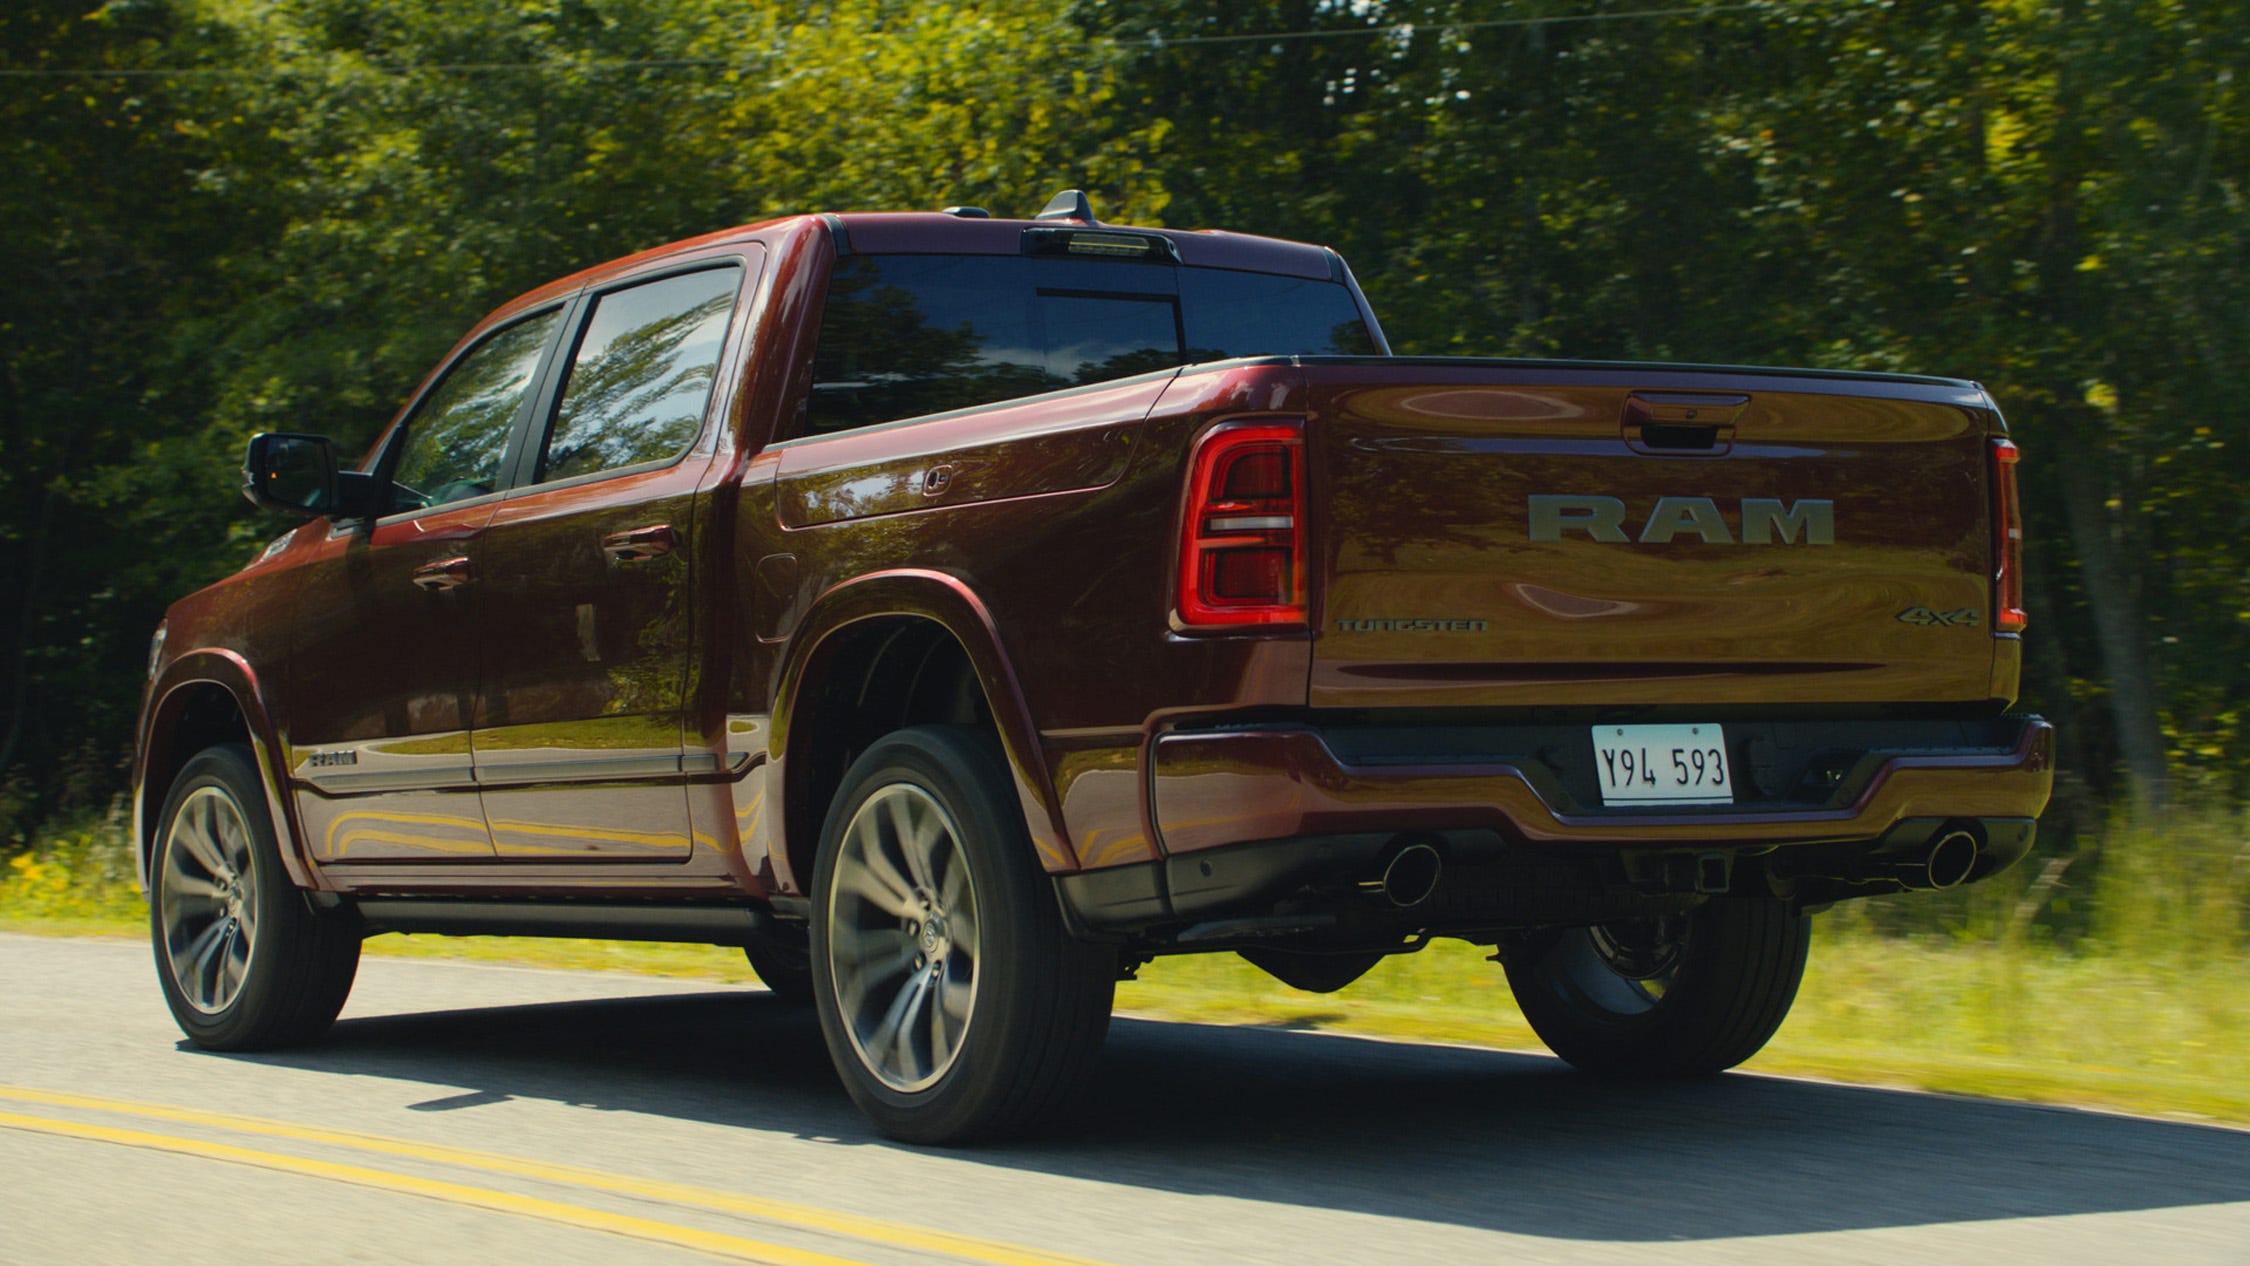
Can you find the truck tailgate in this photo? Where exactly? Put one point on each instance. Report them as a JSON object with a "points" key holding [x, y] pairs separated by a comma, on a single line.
{"points": [[1542, 534]]}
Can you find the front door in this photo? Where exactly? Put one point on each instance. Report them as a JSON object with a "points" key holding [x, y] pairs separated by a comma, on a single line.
{"points": [[381, 678], [587, 589]]}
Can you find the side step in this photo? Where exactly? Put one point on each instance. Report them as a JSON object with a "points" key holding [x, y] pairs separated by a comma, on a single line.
{"points": [[610, 920]]}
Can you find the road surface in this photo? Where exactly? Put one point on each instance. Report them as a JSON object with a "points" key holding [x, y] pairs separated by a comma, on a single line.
{"points": [[473, 1114]]}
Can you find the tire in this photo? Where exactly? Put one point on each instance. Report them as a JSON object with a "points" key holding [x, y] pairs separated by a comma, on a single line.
{"points": [[1686, 995], [245, 961], [953, 1003], [784, 965]]}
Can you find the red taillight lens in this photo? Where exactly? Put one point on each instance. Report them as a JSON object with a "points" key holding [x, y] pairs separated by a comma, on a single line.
{"points": [[2007, 542], [1242, 544]]}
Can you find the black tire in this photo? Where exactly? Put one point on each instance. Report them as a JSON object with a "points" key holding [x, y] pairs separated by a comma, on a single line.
{"points": [[1688, 995], [245, 961], [783, 961], [994, 1014]]}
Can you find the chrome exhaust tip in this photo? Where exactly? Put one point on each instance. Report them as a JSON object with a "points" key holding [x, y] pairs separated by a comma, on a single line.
{"points": [[1953, 857], [1411, 875]]}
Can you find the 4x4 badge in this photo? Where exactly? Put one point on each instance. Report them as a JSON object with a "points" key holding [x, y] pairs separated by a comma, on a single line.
{"points": [[1965, 618]]}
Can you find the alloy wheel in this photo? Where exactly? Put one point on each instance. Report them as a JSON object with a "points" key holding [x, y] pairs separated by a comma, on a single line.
{"points": [[903, 937], [209, 895]]}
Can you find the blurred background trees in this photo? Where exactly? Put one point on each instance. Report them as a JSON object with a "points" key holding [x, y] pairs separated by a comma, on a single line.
{"points": [[226, 216]]}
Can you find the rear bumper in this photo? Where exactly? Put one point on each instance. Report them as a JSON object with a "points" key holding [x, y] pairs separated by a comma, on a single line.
{"points": [[1280, 831], [1214, 788]]}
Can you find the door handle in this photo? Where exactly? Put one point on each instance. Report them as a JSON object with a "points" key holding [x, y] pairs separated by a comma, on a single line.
{"points": [[450, 573], [639, 543]]}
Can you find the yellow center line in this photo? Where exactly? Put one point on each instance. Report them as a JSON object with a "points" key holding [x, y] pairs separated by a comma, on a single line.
{"points": [[779, 1212], [669, 1233]]}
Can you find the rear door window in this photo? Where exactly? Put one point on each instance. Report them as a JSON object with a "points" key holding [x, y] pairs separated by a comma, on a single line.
{"points": [[641, 376]]}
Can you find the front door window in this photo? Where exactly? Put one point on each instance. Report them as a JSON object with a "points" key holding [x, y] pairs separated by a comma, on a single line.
{"points": [[456, 440]]}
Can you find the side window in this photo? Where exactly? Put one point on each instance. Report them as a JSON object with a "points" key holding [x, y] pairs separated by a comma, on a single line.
{"points": [[641, 377], [455, 440]]}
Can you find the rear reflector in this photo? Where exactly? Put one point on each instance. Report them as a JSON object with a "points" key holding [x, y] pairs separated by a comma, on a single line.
{"points": [[2007, 542], [1242, 542]]}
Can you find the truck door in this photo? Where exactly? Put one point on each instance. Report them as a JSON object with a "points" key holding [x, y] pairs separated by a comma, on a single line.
{"points": [[383, 652]]}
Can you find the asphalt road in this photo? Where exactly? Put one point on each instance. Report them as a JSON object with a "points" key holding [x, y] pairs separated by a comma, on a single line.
{"points": [[478, 1114]]}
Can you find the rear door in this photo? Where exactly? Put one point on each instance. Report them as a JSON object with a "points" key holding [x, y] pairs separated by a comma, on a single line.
{"points": [[1528, 535], [590, 578]]}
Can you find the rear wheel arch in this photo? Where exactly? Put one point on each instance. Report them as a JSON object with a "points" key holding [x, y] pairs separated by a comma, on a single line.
{"points": [[893, 652]]}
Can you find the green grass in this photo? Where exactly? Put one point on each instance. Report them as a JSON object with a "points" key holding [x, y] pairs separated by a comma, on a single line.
{"points": [[2146, 1010], [2030, 1024]]}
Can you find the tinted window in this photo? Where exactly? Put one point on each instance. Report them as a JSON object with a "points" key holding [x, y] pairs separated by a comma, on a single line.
{"points": [[642, 374], [457, 436], [905, 335], [1256, 314]]}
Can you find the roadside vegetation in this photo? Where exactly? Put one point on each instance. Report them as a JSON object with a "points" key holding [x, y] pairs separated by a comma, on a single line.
{"points": [[231, 217], [2119, 978]]}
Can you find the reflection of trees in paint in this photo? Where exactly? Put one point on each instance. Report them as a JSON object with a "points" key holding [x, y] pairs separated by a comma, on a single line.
{"points": [[879, 358], [643, 374], [904, 336], [455, 440]]}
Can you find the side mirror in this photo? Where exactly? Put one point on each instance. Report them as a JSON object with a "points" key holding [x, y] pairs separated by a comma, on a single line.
{"points": [[297, 474]]}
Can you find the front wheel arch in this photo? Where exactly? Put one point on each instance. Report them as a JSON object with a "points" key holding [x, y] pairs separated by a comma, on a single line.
{"points": [[205, 699]]}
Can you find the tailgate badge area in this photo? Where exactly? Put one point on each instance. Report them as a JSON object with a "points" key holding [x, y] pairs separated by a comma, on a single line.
{"points": [[1923, 617]]}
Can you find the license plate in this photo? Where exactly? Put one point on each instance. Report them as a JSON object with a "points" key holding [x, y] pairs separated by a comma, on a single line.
{"points": [[1662, 764]]}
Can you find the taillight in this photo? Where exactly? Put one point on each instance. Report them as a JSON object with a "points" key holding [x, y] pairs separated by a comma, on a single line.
{"points": [[1242, 545], [2007, 541]]}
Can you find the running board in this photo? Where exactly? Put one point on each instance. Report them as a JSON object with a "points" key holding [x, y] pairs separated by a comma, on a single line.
{"points": [[617, 921]]}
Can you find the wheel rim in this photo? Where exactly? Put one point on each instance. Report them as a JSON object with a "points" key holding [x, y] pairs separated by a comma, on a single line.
{"points": [[903, 937], [208, 896], [1631, 964]]}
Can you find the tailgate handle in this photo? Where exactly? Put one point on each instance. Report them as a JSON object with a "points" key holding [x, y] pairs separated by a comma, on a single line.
{"points": [[1682, 421], [639, 543], [451, 573], [1686, 436]]}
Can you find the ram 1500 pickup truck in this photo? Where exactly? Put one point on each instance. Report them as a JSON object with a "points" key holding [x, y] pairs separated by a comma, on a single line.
{"points": [[954, 613]]}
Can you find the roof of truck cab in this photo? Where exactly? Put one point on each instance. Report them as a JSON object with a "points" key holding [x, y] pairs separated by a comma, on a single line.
{"points": [[576, 281], [938, 233]]}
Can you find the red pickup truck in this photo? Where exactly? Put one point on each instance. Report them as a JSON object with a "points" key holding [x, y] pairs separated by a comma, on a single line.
{"points": [[956, 613]]}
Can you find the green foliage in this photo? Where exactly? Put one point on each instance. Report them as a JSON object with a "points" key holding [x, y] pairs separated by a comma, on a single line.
{"points": [[285, 213], [2045, 195], [79, 873], [867, 104]]}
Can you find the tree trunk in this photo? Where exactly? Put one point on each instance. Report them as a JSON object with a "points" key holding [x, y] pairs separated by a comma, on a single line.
{"points": [[27, 627], [2119, 628]]}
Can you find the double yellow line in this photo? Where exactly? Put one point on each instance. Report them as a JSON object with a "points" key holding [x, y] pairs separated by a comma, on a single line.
{"points": [[776, 1212]]}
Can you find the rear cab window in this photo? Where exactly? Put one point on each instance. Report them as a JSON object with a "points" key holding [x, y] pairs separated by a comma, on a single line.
{"points": [[906, 335]]}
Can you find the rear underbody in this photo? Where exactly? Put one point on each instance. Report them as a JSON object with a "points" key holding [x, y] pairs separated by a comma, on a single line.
{"points": [[1369, 837]]}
